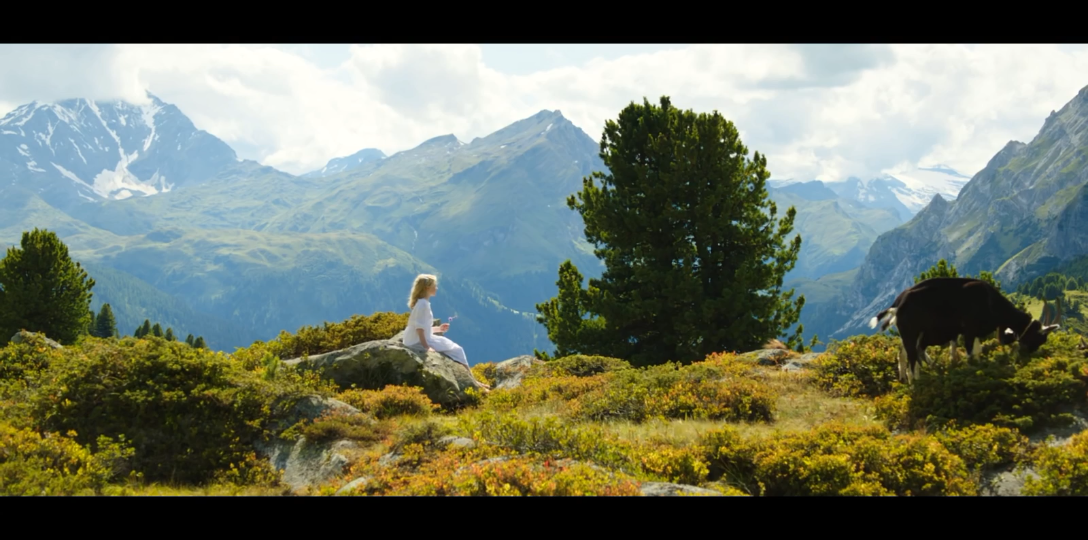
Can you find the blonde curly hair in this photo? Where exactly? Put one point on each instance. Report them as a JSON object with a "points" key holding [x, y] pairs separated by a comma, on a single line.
{"points": [[420, 286]]}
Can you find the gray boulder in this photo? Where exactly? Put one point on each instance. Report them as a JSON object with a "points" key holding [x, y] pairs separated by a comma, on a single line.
{"points": [[22, 336], [375, 364], [508, 373], [306, 463], [667, 489]]}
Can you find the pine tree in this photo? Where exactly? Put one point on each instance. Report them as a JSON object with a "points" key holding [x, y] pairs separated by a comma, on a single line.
{"points": [[199, 343], [43, 290], [145, 329], [156, 330], [92, 325], [169, 334], [105, 325], [693, 263], [189, 340]]}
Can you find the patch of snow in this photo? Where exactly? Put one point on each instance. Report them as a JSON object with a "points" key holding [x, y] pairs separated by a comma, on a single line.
{"points": [[121, 117], [22, 150], [98, 113], [76, 146], [25, 118], [148, 112], [32, 166], [80, 193], [107, 181], [547, 128], [49, 138], [64, 115], [6, 132], [123, 194], [71, 176], [503, 146]]}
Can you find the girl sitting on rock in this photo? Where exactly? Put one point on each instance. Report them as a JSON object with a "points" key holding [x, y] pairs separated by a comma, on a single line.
{"points": [[420, 335]]}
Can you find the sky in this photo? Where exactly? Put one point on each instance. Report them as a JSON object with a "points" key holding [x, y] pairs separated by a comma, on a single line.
{"points": [[823, 112]]}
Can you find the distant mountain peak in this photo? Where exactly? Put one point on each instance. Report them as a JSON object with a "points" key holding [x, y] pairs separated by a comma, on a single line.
{"points": [[81, 149], [442, 140], [347, 163]]}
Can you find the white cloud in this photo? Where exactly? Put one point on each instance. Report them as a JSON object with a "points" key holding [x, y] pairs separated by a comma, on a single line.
{"points": [[824, 111]]}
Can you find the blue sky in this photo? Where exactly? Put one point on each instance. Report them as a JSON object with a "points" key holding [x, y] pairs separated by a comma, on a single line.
{"points": [[817, 111]]}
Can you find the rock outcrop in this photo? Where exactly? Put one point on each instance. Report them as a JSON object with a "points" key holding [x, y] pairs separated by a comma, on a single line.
{"points": [[667, 489], [375, 364], [508, 373], [22, 336], [307, 463]]}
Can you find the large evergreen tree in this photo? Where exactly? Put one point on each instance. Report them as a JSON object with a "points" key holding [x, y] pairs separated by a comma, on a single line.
{"points": [[169, 334], [189, 340], [156, 330], [199, 343], [105, 324], [694, 264], [93, 324], [43, 290], [145, 329]]}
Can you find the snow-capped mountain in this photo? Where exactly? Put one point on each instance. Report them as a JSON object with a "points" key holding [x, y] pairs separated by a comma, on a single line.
{"points": [[92, 150], [907, 192], [341, 164]]}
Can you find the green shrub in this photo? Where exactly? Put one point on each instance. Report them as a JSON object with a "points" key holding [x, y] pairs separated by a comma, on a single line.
{"points": [[1003, 389], [836, 459], [312, 340], [337, 426], [188, 412], [860, 366], [1062, 470], [53, 464], [546, 437], [984, 448], [579, 365], [718, 388], [393, 400]]}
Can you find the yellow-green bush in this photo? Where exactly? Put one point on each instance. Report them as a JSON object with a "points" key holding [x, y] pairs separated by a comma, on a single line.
{"points": [[546, 437], [718, 388], [54, 464], [860, 366], [187, 412], [677, 465], [538, 390], [338, 425], [1062, 470], [485, 373], [314, 340], [837, 459], [393, 400], [455, 473], [985, 447], [1003, 389], [579, 365]]}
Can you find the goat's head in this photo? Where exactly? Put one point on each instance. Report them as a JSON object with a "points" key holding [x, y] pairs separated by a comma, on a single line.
{"points": [[1038, 330]]}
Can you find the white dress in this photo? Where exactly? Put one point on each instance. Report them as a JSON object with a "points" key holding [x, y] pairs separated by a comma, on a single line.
{"points": [[421, 317]]}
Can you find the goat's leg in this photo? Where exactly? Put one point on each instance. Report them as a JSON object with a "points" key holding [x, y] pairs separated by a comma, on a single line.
{"points": [[903, 364]]}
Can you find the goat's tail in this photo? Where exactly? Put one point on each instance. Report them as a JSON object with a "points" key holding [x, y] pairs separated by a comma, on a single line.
{"points": [[888, 314]]}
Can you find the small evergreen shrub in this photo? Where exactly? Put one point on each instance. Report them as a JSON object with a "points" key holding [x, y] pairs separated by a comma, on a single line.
{"points": [[862, 366], [836, 459], [393, 400], [314, 340], [579, 365], [188, 412], [1063, 470], [54, 464]]}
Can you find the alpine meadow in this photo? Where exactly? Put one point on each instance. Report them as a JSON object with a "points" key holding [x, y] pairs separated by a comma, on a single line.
{"points": [[680, 306]]}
